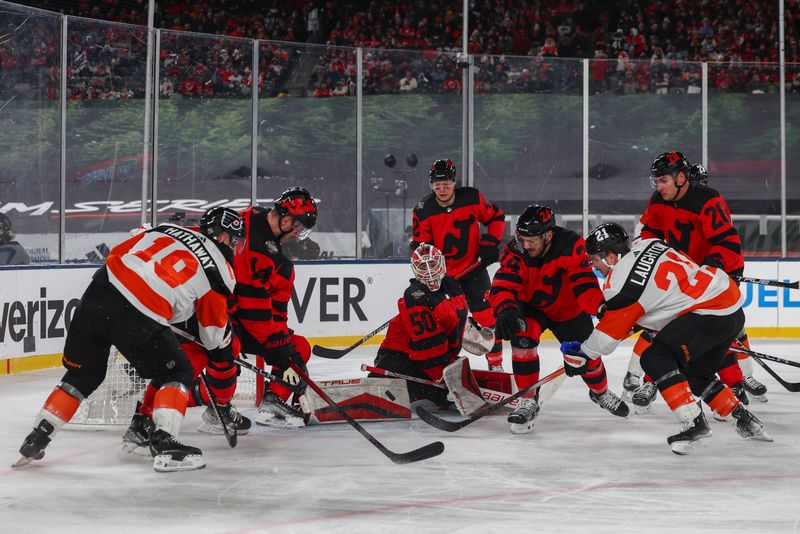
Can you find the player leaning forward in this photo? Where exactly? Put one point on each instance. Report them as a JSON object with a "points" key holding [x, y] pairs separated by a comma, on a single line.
{"points": [[696, 312], [159, 277]]}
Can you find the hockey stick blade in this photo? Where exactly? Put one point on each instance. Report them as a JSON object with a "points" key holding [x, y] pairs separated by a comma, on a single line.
{"points": [[794, 387], [423, 453], [452, 426]]}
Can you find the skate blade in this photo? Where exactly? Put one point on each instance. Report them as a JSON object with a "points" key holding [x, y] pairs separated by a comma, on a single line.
{"points": [[24, 460], [163, 463], [131, 450], [521, 428], [217, 430], [760, 398], [683, 448], [271, 420], [641, 410], [763, 436]]}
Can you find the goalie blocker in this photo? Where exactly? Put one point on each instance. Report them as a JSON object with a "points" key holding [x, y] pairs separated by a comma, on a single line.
{"points": [[386, 399]]}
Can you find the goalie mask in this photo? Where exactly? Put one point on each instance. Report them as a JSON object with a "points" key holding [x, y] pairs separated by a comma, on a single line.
{"points": [[218, 220], [428, 265], [298, 203]]}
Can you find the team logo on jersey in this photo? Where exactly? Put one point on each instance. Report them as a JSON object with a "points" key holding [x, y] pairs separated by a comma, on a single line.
{"points": [[418, 294], [272, 248]]}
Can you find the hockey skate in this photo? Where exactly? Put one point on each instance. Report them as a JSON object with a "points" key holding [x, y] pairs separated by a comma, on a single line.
{"points": [[233, 420], [755, 388], [748, 425], [643, 398], [136, 439], [629, 385], [740, 392], [522, 418], [610, 402], [274, 412], [693, 433], [169, 454], [35, 443]]}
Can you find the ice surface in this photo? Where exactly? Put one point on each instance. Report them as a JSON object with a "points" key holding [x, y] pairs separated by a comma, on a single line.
{"points": [[581, 470]]}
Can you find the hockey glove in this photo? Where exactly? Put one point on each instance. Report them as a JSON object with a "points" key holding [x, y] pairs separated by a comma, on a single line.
{"points": [[509, 319], [575, 361], [714, 260], [489, 249], [451, 286]]}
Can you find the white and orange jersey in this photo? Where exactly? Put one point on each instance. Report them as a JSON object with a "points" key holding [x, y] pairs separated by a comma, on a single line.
{"points": [[652, 285], [170, 273]]}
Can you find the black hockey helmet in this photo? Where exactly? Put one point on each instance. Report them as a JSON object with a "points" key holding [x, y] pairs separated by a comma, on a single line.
{"points": [[535, 220], [218, 220], [442, 169], [298, 203], [669, 163], [698, 174], [608, 237]]}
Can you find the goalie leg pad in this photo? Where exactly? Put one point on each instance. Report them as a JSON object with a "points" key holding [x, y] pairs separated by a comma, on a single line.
{"points": [[464, 388], [364, 399]]}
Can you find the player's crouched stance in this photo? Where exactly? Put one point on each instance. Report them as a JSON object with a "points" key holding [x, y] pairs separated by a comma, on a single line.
{"points": [[425, 337], [161, 276], [696, 312]]}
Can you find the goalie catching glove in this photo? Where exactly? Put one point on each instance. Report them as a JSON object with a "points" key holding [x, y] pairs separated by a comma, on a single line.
{"points": [[477, 340], [575, 361]]}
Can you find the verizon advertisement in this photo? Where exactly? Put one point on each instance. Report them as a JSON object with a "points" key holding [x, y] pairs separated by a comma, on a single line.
{"points": [[330, 300]]}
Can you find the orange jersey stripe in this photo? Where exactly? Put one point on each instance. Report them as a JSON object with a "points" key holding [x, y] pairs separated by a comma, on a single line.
{"points": [[678, 395], [618, 323], [212, 310], [725, 300], [143, 292], [61, 404]]}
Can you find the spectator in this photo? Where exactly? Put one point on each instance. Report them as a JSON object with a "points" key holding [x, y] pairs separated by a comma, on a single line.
{"points": [[408, 82]]}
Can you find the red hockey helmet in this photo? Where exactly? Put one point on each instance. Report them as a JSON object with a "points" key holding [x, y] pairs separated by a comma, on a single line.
{"points": [[298, 203], [428, 265]]}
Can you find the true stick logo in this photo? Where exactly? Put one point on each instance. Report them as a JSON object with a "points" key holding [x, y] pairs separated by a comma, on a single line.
{"points": [[35, 319]]}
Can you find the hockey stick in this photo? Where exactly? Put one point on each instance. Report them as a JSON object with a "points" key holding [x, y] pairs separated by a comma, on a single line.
{"points": [[335, 354], [213, 403], [764, 282], [794, 387], [267, 376], [384, 372], [452, 426], [423, 453]]}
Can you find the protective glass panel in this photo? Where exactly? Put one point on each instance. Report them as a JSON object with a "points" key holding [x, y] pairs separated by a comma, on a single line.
{"points": [[528, 130], [638, 110], [30, 134], [204, 125], [412, 116], [307, 138], [793, 157], [744, 150], [105, 135]]}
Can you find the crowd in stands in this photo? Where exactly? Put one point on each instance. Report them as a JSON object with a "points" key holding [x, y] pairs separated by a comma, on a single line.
{"points": [[638, 46]]}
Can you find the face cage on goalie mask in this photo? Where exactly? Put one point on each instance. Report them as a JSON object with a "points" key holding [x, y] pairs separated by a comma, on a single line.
{"points": [[430, 271]]}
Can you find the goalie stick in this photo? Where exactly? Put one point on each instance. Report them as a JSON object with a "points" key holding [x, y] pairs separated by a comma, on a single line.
{"points": [[423, 453], [384, 372], [212, 401], [335, 354], [794, 387], [452, 426], [764, 282]]}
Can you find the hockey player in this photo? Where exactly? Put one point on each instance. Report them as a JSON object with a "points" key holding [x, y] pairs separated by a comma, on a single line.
{"points": [[450, 219], [545, 281], [425, 336], [220, 371], [159, 277], [11, 252], [265, 278], [696, 312], [695, 219]]}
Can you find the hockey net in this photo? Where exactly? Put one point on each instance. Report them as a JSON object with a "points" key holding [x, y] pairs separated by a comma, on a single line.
{"points": [[114, 402]]}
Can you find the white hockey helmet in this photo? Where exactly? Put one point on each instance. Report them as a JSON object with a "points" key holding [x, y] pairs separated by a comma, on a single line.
{"points": [[428, 265]]}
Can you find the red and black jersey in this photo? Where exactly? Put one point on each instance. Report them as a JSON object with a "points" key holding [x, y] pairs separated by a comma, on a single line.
{"points": [[456, 229], [429, 325], [698, 225], [264, 281], [561, 283]]}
